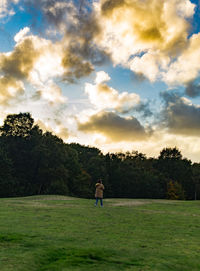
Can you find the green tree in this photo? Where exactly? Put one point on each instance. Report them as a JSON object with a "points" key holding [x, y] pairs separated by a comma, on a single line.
{"points": [[7, 180], [170, 153], [171, 164], [196, 179], [175, 191], [19, 125]]}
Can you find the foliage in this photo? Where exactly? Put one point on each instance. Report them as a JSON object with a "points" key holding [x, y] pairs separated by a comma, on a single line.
{"points": [[175, 191], [34, 162], [17, 125]]}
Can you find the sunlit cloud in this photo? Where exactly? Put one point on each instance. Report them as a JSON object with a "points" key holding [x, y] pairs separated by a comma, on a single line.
{"points": [[21, 34], [156, 25], [20, 62], [57, 129], [153, 39], [146, 35], [187, 67], [102, 77], [103, 96], [10, 89], [51, 93]]}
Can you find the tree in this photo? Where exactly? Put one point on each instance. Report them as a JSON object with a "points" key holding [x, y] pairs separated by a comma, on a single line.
{"points": [[175, 191], [170, 153], [34, 162], [19, 125], [7, 180], [56, 167], [196, 179], [178, 169]]}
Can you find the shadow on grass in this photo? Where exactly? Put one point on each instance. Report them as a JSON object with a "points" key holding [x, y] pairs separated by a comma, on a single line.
{"points": [[85, 259], [14, 240], [10, 238]]}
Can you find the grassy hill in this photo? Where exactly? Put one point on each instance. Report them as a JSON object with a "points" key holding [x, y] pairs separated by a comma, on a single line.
{"points": [[57, 233]]}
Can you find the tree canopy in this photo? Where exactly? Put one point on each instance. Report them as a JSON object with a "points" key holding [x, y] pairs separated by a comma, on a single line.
{"points": [[34, 162]]}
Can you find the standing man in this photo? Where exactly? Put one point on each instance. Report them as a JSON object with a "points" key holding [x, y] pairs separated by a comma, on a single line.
{"points": [[99, 192]]}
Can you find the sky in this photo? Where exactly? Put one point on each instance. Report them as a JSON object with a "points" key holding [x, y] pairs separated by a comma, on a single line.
{"points": [[119, 75]]}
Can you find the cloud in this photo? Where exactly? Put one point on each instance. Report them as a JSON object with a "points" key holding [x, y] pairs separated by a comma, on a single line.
{"points": [[114, 127], [105, 97], [81, 51], [51, 93], [10, 89], [35, 63], [57, 129], [21, 34], [144, 109], [6, 8], [54, 13], [75, 27], [156, 25], [75, 66], [20, 62], [180, 116], [187, 66], [149, 37], [102, 77], [192, 89]]}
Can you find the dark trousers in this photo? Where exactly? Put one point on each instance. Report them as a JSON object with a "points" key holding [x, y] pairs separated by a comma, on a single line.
{"points": [[101, 201]]}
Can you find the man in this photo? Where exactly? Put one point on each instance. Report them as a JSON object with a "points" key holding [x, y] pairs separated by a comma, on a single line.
{"points": [[99, 192]]}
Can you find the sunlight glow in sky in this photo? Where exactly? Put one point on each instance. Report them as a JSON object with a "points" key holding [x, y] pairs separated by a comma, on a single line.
{"points": [[115, 74]]}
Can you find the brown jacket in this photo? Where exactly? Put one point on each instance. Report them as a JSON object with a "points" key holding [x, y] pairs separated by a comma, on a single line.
{"points": [[99, 190]]}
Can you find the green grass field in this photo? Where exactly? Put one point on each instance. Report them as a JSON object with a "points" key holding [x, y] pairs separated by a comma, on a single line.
{"points": [[54, 233]]}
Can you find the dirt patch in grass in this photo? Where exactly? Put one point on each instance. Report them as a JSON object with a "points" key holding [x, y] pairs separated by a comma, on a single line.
{"points": [[135, 202], [130, 203], [39, 204], [44, 201], [48, 197]]}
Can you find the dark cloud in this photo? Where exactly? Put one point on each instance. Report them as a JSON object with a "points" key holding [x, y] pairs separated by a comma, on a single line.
{"points": [[78, 27], [81, 51], [76, 67], [16, 67], [179, 115], [138, 77], [114, 127], [192, 89], [37, 95], [144, 109], [20, 62], [109, 5], [51, 11]]}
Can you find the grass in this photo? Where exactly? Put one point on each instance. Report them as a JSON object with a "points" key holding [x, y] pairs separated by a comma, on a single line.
{"points": [[57, 233]]}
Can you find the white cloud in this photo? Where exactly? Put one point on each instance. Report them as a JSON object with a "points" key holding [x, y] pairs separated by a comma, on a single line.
{"points": [[52, 93], [101, 77], [21, 34], [5, 8], [105, 97], [187, 66]]}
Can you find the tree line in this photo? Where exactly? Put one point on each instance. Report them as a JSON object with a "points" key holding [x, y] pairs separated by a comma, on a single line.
{"points": [[33, 162]]}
